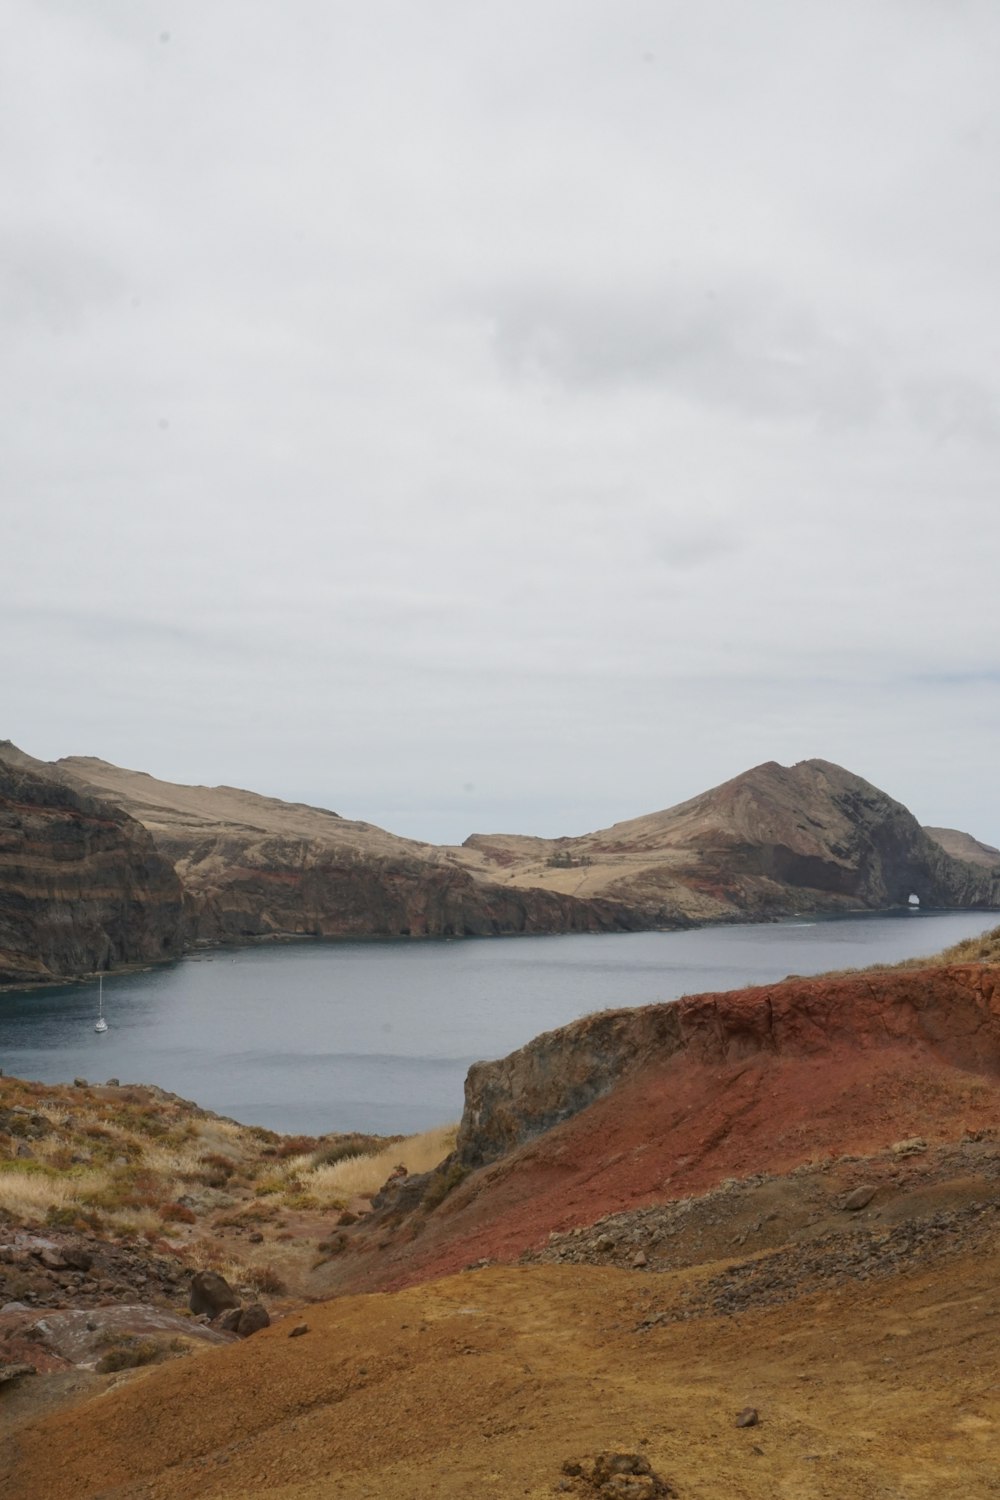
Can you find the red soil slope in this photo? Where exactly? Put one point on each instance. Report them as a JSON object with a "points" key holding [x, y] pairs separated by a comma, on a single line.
{"points": [[718, 1086]]}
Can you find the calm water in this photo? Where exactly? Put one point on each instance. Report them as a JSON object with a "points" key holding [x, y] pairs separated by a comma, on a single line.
{"points": [[378, 1036]]}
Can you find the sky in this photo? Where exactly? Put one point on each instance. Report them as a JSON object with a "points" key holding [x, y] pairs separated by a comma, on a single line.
{"points": [[474, 417]]}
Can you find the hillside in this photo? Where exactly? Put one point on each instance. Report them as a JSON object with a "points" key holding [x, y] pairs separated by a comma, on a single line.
{"points": [[256, 867], [964, 846], [774, 840], [747, 1243]]}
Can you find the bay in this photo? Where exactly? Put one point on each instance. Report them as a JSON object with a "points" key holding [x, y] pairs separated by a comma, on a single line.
{"points": [[315, 1037]]}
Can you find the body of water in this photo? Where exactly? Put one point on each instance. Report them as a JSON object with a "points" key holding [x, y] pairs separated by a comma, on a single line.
{"points": [[315, 1037]]}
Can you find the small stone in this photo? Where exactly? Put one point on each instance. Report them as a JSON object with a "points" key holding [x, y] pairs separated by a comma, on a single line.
{"points": [[859, 1198], [639, 1260], [603, 1244], [298, 1330], [256, 1238], [748, 1417]]}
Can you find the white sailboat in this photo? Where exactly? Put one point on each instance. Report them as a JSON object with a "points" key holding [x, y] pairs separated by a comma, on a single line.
{"points": [[100, 1024]]}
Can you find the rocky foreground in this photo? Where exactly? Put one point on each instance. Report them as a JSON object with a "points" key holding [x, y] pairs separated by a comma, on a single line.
{"points": [[746, 1245]]}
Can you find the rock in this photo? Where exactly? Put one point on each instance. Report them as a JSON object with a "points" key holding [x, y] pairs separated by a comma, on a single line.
{"points": [[253, 1319], [616, 1476], [228, 1321], [639, 1260], [604, 1244], [748, 1417], [77, 1257], [256, 1238], [298, 1330], [14, 1372], [52, 1260], [211, 1294], [859, 1198], [83, 886]]}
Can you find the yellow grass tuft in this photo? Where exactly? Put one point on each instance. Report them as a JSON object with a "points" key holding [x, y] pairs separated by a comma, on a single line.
{"points": [[366, 1174]]}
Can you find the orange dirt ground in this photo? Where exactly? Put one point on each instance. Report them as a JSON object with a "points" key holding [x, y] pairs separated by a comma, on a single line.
{"points": [[483, 1384]]}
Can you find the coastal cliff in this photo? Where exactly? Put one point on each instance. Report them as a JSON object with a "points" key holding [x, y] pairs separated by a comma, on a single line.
{"points": [[82, 885], [256, 867], [774, 841]]}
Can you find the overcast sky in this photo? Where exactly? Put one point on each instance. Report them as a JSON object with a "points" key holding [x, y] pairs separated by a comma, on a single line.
{"points": [[473, 416]]}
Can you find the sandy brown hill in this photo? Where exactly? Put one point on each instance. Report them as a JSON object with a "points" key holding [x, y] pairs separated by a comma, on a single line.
{"points": [[254, 866], [963, 846], [775, 839]]}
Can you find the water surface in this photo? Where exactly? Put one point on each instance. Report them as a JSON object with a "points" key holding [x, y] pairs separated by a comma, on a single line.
{"points": [[378, 1036]]}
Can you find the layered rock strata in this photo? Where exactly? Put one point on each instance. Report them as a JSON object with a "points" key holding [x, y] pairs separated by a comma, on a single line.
{"points": [[82, 885]]}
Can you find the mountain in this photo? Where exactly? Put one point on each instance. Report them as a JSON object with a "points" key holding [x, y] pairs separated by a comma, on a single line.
{"points": [[773, 841], [254, 867], [82, 885]]}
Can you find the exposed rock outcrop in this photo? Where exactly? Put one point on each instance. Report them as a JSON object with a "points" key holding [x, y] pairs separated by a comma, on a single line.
{"points": [[82, 884], [952, 1012]]}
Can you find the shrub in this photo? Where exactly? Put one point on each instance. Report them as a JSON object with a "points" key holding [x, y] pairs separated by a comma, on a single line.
{"points": [[266, 1279], [344, 1147], [177, 1213], [128, 1352], [296, 1145]]}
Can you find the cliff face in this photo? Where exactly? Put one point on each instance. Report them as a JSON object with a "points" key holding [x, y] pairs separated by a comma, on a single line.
{"points": [[82, 886], [311, 889], [775, 840], [253, 866], [951, 1014]]}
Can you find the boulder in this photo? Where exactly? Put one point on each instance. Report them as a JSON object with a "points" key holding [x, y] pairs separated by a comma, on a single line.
{"points": [[252, 1320], [211, 1294]]}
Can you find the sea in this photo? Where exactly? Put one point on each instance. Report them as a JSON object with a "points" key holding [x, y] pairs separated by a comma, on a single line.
{"points": [[312, 1037]]}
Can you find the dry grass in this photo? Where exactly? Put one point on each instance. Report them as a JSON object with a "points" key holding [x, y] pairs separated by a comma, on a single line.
{"points": [[359, 1175], [30, 1196]]}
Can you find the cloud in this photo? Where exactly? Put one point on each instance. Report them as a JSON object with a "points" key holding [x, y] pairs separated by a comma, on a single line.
{"points": [[582, 406]]}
